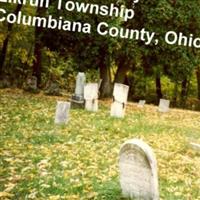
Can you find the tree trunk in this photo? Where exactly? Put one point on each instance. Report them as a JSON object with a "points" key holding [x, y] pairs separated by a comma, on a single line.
{"points": [[158, 88], [106, 87], [198, 82], [183, 92], [38, 48], [122, 70], [175, 93], [37, 56], [5, 42]]}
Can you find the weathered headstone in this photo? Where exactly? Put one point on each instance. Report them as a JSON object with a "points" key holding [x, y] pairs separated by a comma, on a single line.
{"points": [[141, 103], [62, 112], [31, 84], [163, 105], [53, 89], [138, 171], [120, 95], [91, 96], [78, 98]]}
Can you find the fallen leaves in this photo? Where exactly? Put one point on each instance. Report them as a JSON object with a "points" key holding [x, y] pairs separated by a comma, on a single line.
{"points": [[42, 161]]}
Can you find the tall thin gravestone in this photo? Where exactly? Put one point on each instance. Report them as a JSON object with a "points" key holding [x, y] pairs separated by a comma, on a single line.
{"points": [[120, 95], [91, 96], [138, 171], [163, 105], [62, 112], [78, 98]]}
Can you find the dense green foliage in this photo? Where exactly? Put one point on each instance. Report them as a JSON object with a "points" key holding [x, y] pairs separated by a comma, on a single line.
{"points": [[57, 55]]}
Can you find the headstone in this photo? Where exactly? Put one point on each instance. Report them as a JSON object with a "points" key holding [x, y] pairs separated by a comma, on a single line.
{"points": [[62, 112], [80, 82], [141, 103], [91, 96], [53, 89], [78, 98], [163, 105], [120, 95], [31, 84], [138, 171]]}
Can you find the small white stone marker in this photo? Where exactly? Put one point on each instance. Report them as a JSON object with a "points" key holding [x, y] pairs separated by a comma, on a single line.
{"points": [[62, 112], [141, 103], [138, 171], [195, 146], [163, 105], [91, 96], [120, 95]]}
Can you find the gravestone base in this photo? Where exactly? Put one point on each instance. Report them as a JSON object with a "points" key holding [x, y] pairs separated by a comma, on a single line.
{"points": [[91, 105], [117, 110], [77, 102]]}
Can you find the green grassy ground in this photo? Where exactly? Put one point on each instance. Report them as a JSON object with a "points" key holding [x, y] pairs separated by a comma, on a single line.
{"points": [[41, 160]]}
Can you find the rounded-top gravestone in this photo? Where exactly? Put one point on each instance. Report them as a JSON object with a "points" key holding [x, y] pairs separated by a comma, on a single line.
{"points": [[138, 171]]}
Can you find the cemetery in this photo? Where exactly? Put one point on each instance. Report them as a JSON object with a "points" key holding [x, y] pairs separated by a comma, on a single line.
{"points": [[52, 151], [99, 100]]}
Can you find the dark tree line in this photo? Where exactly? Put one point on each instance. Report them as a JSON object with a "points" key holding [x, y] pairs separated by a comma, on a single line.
{"points": [[115, 59]]}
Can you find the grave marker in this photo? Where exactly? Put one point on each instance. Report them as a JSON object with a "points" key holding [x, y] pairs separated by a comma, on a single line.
{"points": [[62, 112], [141, 103], [78, 98], [91, 96], [120, 95], [31, 84], [195, 146], [163, 105], [80, 82], [138, 171]]}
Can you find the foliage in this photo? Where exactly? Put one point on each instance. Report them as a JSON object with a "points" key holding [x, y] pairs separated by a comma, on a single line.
{"points": [[40, 160], [65, 53]]}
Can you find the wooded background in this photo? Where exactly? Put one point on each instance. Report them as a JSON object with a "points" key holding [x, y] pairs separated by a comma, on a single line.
{"points": [[152, 72]]}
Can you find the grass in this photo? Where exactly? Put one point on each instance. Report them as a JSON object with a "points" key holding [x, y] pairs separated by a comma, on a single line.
{"points": [[41, 160]]}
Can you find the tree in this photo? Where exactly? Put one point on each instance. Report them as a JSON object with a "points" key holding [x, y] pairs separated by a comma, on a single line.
{"points": [[6, 40], [40, 12], [198, 81]]}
